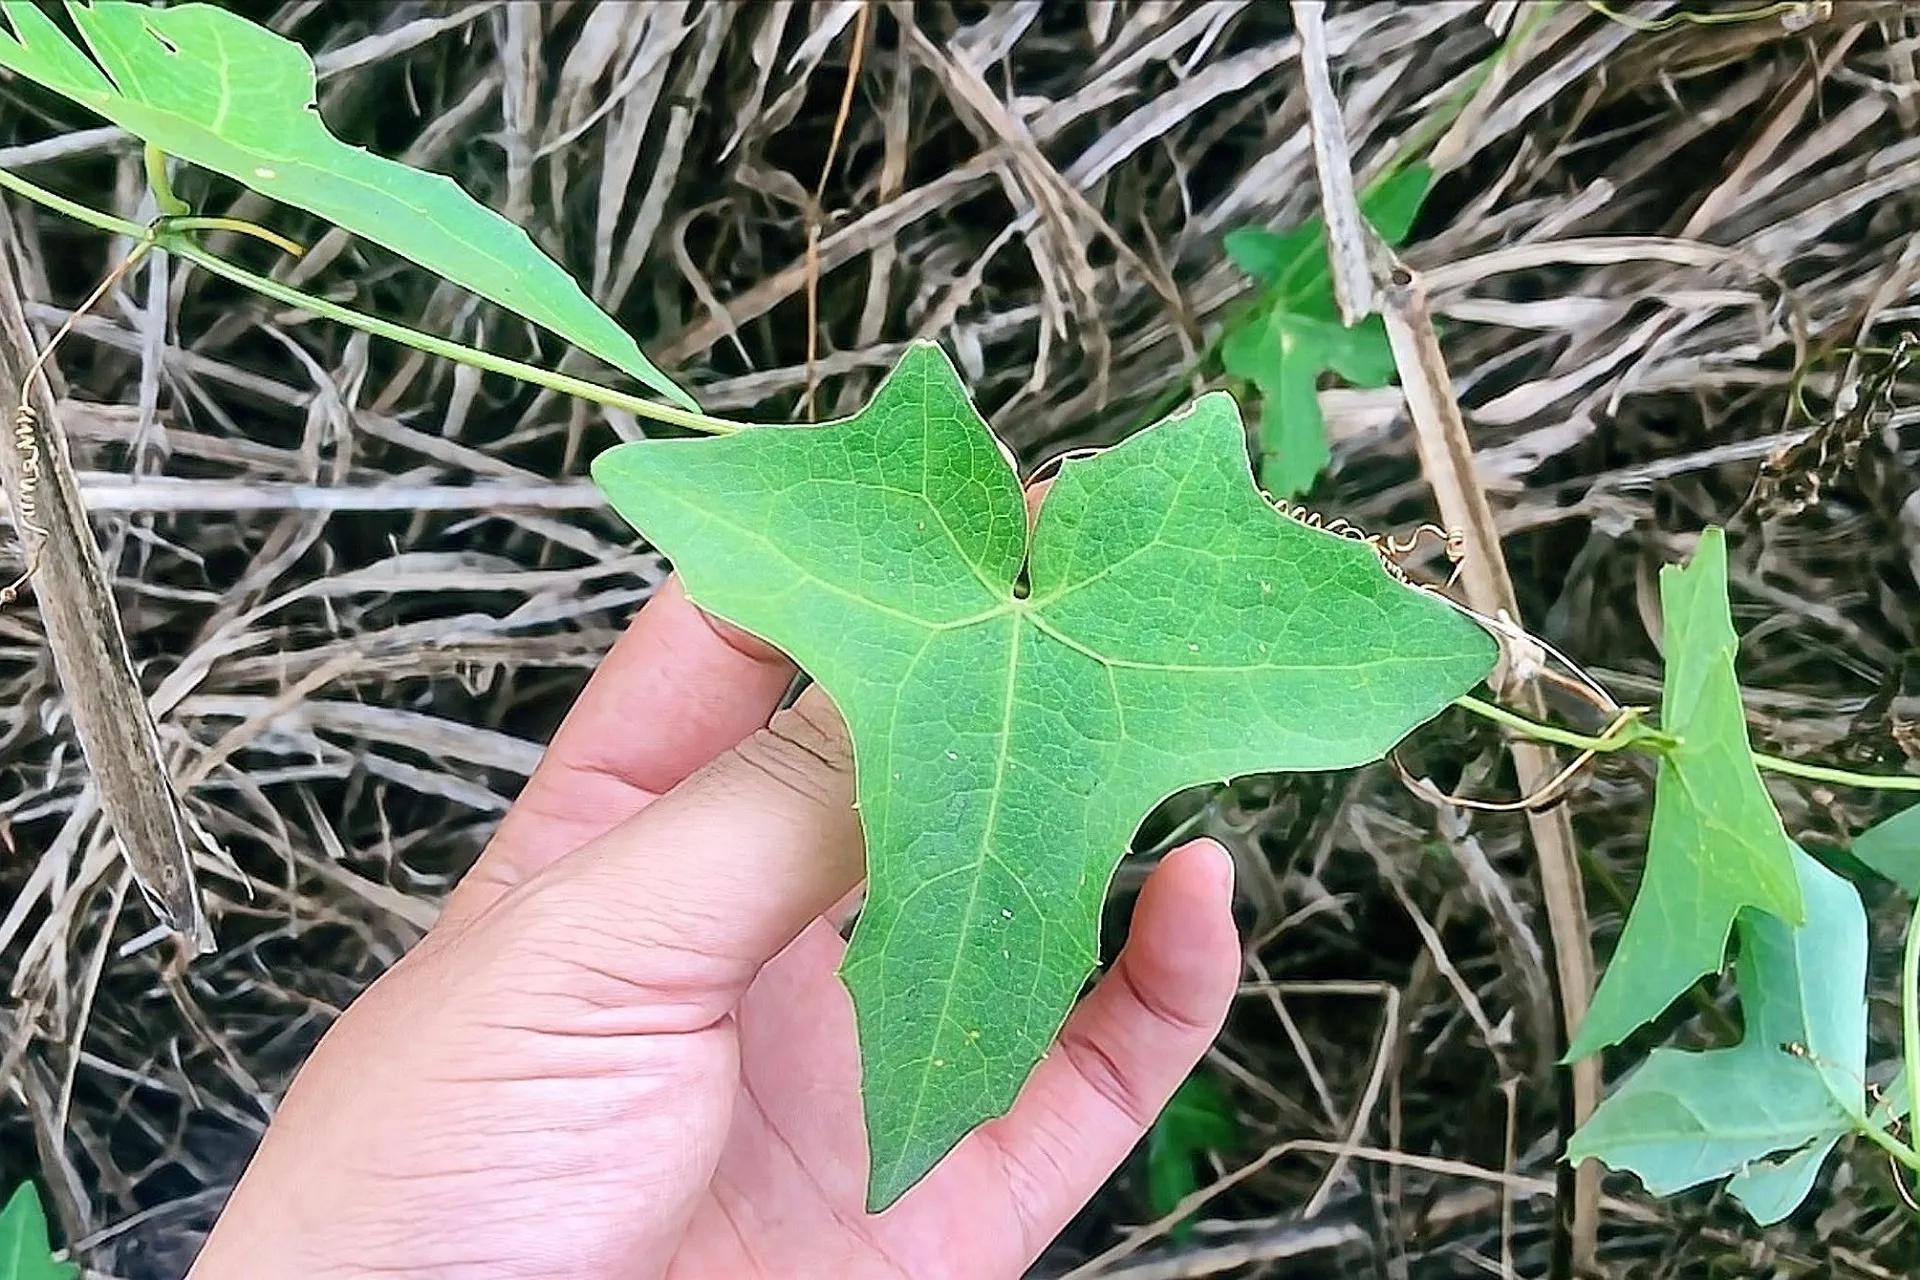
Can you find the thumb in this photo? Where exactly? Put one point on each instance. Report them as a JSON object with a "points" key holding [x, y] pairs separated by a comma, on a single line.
{"points": [[691, 896]]}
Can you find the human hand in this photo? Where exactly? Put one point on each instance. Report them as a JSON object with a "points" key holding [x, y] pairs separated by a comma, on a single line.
{"points": [[623, 1051]]}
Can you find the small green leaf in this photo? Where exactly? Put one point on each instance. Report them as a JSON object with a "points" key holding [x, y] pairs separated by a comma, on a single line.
{"points": [[1294, 262], [1197, 1119], [1892, 848], [1017, 702], [1283, 359], [213, 88], [1279, 259], [25, 1251], [1767, 1112], [1717, 845], [1293, 334]]}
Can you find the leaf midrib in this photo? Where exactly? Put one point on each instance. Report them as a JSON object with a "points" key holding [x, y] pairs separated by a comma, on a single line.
{"points": [[978, 867]]}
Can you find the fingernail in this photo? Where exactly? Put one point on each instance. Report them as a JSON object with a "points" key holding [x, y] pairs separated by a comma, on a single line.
{"points": [[742, 640], [736, 638], [1223, 868]]}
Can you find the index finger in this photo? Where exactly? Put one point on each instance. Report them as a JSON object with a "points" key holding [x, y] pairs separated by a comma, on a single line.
{"points": [[676, 690]]}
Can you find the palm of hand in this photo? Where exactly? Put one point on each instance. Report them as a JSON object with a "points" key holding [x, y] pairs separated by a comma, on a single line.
{"points": [[789, 1195], [596, 1065]]}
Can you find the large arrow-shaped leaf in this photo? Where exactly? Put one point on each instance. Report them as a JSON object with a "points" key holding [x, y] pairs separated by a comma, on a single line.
{"points": [[1717, 846], [1793, 1085], [213, 88], [1018, 705]]}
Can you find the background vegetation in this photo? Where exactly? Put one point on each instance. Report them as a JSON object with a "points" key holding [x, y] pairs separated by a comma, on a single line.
{"points": [[364, 585]]}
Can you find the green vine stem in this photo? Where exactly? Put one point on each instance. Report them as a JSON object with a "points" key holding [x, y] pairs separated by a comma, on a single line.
{"points": [[78, 212], [1910, 1014], [1634, 735], [1841, 777], [173, 235]]}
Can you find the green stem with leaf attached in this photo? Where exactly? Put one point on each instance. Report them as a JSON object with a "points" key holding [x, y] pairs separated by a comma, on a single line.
{"points": [[1629, 733], [1632, 734], [566, 384], [173, 234]]}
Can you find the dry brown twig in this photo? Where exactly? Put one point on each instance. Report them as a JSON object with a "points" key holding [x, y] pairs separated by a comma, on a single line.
{"points": [[110, 715], [1446, 460]]}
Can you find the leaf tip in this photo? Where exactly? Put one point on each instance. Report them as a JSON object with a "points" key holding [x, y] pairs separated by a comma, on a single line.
{"points": [[1586, 1042], [1213, 405], [886, 1186]]}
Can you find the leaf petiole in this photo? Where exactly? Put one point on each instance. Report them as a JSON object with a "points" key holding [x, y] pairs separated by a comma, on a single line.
{"points": [[1873, 1133], [1630, 732], [164, 200], [183, 247], [173, 222]]}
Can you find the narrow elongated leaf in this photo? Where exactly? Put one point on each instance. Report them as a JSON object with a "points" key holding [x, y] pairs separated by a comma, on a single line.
{"points": [[1716, 846], [1767, 1112], [1294, 334], [25, 1252], [222, 92], [1892, 848], [1017, 704]]}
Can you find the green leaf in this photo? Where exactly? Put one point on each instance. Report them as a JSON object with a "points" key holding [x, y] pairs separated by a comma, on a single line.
{"points": [[1892, 848], [1281, 259], [1767, 1112], [1295, 262], [1172, 628], [1293, 334], [25, 1251], [1283, 359], [213, 88], [1717, 845], [1197, 1119]]}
